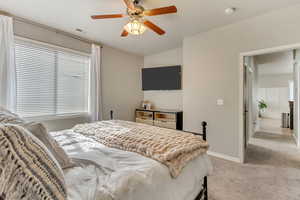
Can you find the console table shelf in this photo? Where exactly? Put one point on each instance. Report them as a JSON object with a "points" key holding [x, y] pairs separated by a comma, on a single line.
{"points": [[172, 119]]}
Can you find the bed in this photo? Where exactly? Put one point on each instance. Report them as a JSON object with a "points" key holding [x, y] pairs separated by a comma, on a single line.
{"points": [[104, 173], [104, 160]]}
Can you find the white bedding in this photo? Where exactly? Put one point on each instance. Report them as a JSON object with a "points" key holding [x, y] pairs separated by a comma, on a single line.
{"points": [[104, 173]]}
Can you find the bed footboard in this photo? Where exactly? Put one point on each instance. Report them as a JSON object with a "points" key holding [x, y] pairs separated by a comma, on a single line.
{"points": [[203, 194]]}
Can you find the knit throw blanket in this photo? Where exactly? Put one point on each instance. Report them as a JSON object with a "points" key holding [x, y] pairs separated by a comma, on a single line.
{"points": [[169, 147], [28, 171]]}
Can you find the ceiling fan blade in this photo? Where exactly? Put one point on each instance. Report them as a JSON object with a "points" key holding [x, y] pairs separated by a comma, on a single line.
{"points": [[124, 33], [107, 16], [4, 13], [161, 11], [129, 4], [153, 27]]}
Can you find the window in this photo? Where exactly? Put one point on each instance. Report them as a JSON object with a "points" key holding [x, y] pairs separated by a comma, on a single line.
{"points": [[51, 81]]}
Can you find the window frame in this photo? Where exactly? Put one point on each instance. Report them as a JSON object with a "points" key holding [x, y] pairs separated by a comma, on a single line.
{"points": [[63, 49]]}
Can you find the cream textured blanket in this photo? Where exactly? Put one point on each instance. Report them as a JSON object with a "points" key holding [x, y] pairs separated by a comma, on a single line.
{"points": [[169, 147], [28, 171]]}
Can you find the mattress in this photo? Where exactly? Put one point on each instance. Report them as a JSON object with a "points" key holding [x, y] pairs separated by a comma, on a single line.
{"points": [[103, 173]]}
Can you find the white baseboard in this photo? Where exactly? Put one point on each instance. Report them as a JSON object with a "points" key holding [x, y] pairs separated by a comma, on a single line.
{"points": [[296, 140], [223, 156]]}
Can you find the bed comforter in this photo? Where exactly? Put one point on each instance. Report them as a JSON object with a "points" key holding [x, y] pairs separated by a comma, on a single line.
{"points": [[104, 173]]}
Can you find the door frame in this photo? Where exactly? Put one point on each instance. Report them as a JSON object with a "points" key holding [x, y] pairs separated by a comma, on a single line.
{"points": [[248, 104], [241, 91]]}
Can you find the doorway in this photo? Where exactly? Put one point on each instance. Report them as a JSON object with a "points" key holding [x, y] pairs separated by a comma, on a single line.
{"points": [[270, 102]]}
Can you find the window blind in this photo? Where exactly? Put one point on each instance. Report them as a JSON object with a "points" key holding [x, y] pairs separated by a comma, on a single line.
{"points": [[50, 81]]}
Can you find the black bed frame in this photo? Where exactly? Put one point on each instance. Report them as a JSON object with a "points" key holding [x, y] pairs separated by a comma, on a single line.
{"points": [[203, 194]]}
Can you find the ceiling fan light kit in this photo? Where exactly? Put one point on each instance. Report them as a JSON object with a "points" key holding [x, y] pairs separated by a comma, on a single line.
{"points": [[138, 24], [135, 27]]}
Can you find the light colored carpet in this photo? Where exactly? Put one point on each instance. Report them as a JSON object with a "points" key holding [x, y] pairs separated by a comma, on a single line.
{"points": [[284, 138], [272, 126], [232, 181], [272, 172]]}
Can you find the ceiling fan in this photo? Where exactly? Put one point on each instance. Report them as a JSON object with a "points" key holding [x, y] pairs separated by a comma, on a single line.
{"points": [[138, 24]]}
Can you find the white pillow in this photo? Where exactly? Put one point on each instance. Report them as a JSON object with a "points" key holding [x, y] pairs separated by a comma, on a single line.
{"points": [[40, 131]]}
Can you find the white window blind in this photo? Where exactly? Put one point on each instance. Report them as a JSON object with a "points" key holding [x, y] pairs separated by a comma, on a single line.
{"points": [[50, 81]]}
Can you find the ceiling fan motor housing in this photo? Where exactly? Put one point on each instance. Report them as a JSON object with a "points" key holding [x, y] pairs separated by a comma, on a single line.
{"points": [[137, 12], [136, 2]]}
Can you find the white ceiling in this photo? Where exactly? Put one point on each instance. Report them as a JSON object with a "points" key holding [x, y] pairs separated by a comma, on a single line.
{"points": [[194, 16]]}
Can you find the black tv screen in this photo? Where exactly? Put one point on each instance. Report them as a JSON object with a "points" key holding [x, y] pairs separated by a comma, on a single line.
{"points": [[162, 78]]}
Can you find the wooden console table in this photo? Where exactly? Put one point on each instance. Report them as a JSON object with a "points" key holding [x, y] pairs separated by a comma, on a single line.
{"points": [[172, 119]]}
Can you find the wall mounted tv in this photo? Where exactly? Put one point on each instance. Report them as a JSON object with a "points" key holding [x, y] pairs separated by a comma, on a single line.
{"points": [[162, 78]]}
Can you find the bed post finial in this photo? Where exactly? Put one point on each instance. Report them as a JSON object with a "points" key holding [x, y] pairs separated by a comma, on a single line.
{"points": [[204, 124], [111, 115]]}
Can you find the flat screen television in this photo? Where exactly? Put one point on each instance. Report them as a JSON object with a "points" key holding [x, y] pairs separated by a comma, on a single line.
{"points": [[161, 78]]}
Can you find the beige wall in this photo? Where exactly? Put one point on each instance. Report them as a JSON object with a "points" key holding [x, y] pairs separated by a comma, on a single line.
{"points": [[171, 99], [275, 63], [64, 123], [121, 82], [211, 71], [41, 34], [274, 80]]}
